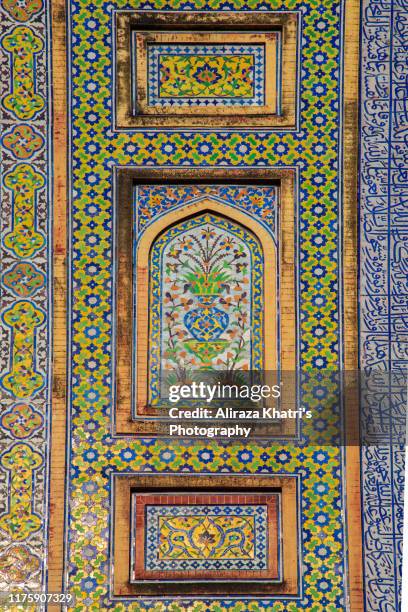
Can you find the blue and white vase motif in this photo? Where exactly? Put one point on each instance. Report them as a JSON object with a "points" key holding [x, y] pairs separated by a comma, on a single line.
{"points": [[207, 322]]}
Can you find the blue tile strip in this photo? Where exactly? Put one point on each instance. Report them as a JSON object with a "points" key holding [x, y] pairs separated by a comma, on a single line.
{"points": [[384, 284]]}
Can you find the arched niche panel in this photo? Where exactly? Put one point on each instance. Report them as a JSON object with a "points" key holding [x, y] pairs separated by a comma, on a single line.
{"points": [[211, 302], [202, 283]]}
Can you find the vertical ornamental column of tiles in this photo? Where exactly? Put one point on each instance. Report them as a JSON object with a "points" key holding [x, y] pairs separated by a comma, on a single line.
{"points": [[383, 286], [96, 150], [24, 361]]}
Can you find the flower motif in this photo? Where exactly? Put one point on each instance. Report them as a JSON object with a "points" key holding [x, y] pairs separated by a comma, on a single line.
{"points": [[18, 564], [206, 538], [22, 10], [186, 244], [227, 244], [23, 279], [21, 420], [207, 75], [23, 141]]}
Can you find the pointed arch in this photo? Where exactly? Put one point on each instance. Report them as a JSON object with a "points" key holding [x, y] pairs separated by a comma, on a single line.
{"points": [[268, 274]]}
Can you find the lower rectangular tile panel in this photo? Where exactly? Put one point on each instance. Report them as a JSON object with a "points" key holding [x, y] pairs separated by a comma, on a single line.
{"points": [[205, 536]]}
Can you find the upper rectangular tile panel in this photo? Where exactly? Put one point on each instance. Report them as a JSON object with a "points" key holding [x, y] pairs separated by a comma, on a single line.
{"points": [[207, 74], [205, 70]]}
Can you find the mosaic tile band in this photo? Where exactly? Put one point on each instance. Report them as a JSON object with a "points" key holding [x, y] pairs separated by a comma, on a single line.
{"points": [[260, 202]]}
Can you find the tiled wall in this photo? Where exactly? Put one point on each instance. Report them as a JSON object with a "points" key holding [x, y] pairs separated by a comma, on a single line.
{"points": [[96, 149]]}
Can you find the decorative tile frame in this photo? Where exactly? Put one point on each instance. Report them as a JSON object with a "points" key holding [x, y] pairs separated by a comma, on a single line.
{"points": [[136, 417], [140, 36], [224, 488], [155, 53]]}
